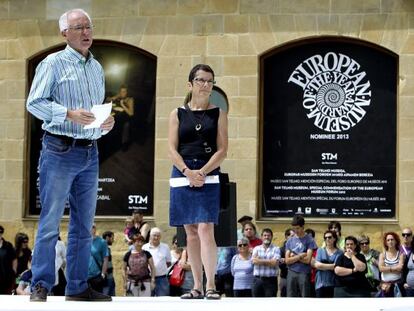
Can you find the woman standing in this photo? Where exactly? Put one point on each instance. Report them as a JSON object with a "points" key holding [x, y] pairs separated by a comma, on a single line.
{"points": [[23, 252], [242, 270], [350, 269], [139, 281], [371, 256], [325, 264], [391, 264], [197, 141]]}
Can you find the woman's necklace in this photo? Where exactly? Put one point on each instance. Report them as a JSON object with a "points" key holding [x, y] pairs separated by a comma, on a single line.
{"points": [[198, 125]]}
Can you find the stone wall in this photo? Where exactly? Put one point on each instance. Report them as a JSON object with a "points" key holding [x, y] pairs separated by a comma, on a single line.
{"points": [[227, 34]]}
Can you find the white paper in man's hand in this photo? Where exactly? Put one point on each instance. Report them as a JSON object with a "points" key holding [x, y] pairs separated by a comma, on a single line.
{"points": [[101, 113]]}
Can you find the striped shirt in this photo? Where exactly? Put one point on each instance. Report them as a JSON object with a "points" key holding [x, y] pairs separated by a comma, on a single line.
{"points": [[242, 271], [391, 262], [271, 252], [66, 80]]}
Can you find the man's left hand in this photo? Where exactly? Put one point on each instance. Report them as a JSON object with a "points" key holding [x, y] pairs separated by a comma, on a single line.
{"points": [[108, 124]]}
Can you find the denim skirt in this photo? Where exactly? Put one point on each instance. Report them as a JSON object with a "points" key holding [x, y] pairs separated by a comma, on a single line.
{"points": [[193, 205]]}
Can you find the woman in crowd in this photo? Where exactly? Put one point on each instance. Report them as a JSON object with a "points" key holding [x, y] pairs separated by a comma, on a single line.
{"points": [[350, 269], [336, 226], [197, 141], [325, 264], [249, 231], [23, 252], [371, 256], [139, 281], [176, 251], [176, 254], [242, 270], [391, 264], [188, 283], [408, 273]]}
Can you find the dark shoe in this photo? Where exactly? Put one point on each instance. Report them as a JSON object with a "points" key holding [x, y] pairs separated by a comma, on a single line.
{"points": [[39, 293], [212, 294], [193, 294], [88, 295]]}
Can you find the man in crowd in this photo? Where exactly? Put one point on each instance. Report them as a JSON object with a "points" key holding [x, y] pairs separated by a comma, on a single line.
{"points": [[8, 265], [65, 87], [98, 262], [407, 238], [299, 249], [162, 260], [265, 259], [109, 288]]}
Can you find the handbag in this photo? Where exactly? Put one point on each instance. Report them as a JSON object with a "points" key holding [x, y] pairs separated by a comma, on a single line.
{"points": [[97, 282], [177, 275]]}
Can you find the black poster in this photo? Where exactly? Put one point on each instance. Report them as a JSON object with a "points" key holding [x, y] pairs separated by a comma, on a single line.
{"points": [[126, 154], [328, 144]]}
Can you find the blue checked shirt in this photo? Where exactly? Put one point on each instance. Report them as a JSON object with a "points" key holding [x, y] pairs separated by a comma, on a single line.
{"points": [[272, 252], [66, 80]]}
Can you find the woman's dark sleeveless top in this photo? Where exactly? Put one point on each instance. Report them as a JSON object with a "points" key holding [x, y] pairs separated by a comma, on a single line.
{"points": [[192, 145]]}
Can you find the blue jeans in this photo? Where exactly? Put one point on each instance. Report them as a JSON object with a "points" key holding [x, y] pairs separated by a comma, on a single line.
{"points": [[162, 286], [65, 172]]}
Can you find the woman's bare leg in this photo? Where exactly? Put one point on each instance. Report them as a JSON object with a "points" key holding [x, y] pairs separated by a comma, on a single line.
{"points": [[194, 255]]}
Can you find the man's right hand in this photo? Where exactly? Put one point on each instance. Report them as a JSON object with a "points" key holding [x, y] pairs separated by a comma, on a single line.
{"points": [[80, 116]]}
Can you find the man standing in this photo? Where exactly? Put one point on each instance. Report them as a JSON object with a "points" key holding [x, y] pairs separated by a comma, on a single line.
{"points": [[407, 237], [265, 259], [162, 260], [65, 87], [98, 262], [299, 249], [8, 265], [109, 289]]}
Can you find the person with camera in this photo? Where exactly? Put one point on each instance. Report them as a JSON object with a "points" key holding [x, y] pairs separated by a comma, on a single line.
{"points": [[325, 264]]}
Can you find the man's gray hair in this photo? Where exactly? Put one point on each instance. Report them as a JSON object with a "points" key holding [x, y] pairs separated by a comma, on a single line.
{"points": [[155, 230], [63, 20]]}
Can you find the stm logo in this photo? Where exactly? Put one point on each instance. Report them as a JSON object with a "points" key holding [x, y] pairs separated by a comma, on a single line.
{"points": [[137, 199], [329, 156]]}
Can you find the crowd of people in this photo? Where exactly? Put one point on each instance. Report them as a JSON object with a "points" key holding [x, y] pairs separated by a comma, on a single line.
{"points": [[255, 267]]}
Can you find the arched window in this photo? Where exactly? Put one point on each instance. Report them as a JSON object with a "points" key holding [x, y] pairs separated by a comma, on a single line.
{"points": [[127, 152], [328, 120]]}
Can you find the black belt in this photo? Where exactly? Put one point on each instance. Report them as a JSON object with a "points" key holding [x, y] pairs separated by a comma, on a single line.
{"points": [[70, 141], [265, 277]]}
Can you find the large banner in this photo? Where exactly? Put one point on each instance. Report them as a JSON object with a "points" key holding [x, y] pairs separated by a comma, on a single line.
{"points": [[126, 154], [328, 130]]}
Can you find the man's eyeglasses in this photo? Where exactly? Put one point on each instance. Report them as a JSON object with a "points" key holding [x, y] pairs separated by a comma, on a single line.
{"points": [[364, 243], [80, 28], [406, 234], [328, 237], [202, 82], [242, 245]]}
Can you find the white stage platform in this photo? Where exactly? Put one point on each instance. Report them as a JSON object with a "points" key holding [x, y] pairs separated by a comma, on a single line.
{"points": [[21, 303]]}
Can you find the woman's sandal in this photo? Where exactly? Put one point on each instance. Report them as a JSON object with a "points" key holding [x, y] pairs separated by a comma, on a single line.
{"points": [[193, 294], [212, 294]]}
